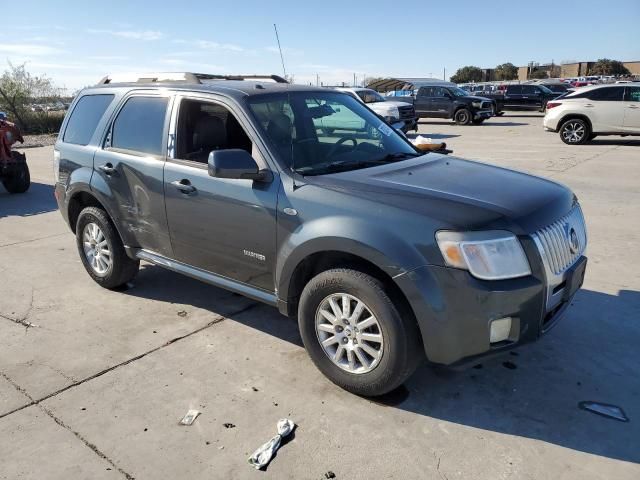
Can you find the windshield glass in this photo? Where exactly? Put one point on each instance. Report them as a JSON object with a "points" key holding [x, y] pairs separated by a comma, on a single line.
{"points": [[370, 96], [458, 92], [322, 132], [545, 89]]}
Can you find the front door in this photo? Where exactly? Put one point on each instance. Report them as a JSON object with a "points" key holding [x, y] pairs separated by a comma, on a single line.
{"points": [[442, 103], [223, 226], [605, 108], [129, 167], [632, 109]]}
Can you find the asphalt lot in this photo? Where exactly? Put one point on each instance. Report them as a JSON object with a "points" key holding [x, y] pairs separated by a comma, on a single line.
{"points": [[94, 382]]}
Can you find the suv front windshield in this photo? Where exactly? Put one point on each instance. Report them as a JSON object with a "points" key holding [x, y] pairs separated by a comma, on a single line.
{"points": [[458, 92], [316, 133], [370, 96]]}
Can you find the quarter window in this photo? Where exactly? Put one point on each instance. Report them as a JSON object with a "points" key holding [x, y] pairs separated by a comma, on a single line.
{"points": [[606, 94], [514, 89], [85, 117], [140, 125]]}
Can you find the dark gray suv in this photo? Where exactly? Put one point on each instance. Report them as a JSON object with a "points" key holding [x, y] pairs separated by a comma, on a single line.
{"points": [[384, 254]]}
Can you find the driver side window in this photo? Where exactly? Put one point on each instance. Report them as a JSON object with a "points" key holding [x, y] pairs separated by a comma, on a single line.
{"points": [[206, 126]]}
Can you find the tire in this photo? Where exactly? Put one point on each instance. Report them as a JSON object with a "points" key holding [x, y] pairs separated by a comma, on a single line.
{"points": [[18, 180], [120, 268], [592, 136], [478, 121], [463, 116], [575, 131], [395, 357]]}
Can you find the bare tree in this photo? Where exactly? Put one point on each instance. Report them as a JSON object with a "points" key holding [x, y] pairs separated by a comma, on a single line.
{"points": [[18, 89]]}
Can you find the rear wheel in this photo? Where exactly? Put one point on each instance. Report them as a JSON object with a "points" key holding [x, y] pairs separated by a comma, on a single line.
{"points": [[575, 131], [355, 334], [463, 116], [101, 249], [17, 179]]}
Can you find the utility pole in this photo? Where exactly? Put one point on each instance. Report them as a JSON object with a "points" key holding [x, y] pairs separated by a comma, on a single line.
{"points": [[444, 73]]}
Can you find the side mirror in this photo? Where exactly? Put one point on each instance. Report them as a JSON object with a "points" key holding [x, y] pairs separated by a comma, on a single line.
{"points": [[236, 164]]}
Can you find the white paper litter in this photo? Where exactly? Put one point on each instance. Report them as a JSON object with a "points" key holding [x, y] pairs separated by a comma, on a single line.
{"points": [[189, 418], [262, 456], [420, 140]]}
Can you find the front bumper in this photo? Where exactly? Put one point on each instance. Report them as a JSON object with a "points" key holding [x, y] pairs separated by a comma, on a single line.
{"points": [[483, 114], [454, 311]]}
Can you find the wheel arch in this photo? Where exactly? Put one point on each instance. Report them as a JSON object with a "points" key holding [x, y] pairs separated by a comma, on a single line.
{"points": [[572, 116]]}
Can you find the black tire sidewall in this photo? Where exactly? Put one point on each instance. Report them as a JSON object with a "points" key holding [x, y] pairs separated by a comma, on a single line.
{"points": [[19, 180], [398, 358], [122, 268], [587, 131], [456, 116]]}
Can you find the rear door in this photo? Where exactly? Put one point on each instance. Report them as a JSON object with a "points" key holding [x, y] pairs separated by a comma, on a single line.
{"points": [[129, 167], [513, 96], [532, 97], [423, 102], [605, 108], [632, 109]]}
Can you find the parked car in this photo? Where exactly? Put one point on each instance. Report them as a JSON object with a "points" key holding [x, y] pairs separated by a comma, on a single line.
{"points": [[447, 101], [557, 88], [522, 97], [383, 254], [597, 110], [397, 114]]}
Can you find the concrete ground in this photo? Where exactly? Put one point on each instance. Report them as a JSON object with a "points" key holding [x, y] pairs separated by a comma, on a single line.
{"points": [[93, 382]]}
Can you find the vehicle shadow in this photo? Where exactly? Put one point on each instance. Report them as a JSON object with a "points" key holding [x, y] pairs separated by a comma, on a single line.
{"points": [[532, 392], [522, 115], [487, 122], [38, 199], [619, 141]]}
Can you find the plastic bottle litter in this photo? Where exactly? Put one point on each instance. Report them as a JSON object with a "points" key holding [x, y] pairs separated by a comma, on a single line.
{"points": [[262, 456]]}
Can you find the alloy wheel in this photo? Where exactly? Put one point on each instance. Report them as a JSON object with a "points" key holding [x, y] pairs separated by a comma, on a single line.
{"points": [[349, 333], [96, 249], [573, 132]]}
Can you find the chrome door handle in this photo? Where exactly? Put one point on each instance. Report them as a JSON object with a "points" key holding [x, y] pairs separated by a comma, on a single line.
{"points": [[633, 106], [107, 168], [184, 186], [589, 105]]}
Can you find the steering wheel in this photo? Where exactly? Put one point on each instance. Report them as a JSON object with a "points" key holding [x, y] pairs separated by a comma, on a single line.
{"points": [[341, 140]]}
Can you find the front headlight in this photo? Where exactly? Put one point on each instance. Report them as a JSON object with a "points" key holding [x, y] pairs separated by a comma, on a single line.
{"points": [[491, 255], [476, 104]]}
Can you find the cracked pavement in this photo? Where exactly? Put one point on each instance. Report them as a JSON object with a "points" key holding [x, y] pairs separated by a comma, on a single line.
{"points": [[94, 382]]}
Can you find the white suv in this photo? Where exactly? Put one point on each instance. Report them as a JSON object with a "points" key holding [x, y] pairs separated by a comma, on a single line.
{"points": [[595, 110]]}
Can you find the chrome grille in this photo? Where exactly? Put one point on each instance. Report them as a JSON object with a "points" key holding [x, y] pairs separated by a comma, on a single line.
{"points": [[485, 106], [555, 241], [407, 113]]}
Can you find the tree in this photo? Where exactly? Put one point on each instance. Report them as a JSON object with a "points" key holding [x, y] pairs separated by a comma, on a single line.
{"points": [[506, 71], [605, 66], [467, 74], [538, 74], [18, 89]]}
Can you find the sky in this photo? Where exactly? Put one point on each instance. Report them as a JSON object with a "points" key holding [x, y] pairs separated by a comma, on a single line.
{"points": [[76, 43]]}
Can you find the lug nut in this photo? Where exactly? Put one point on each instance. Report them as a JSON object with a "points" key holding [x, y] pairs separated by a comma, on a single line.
{"points": [[355, 341], [339, 329], [345, 340]]}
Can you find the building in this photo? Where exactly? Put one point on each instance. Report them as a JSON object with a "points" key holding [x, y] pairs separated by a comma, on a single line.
{"points": [[567, 70]]}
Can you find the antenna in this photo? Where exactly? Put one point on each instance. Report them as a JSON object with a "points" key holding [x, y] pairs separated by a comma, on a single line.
{"points": [[284, 71]]}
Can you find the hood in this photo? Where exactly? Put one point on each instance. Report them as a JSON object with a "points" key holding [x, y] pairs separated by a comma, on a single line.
{"points": [[395, 103], [478, 99], [461, 194]]}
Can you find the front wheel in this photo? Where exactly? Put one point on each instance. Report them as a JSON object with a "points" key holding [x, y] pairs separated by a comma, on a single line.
{"points": [[463, 116], [101, 249], [18, 179], [355, 334], [575, 131]]}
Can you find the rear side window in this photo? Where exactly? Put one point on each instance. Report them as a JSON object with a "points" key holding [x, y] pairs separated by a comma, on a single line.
{"points": [[632, 94], [85, 117], [606, 94], [139, 125]]}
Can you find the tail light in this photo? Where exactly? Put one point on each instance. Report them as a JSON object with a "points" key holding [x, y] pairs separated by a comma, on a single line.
{"points": [[551, 105]]}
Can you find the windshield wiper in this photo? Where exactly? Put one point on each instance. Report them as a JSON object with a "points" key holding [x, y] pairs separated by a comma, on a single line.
{"points": [[343, 165]]}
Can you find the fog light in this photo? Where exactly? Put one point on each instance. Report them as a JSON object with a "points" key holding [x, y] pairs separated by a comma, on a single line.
{"points": [[500, 330]]}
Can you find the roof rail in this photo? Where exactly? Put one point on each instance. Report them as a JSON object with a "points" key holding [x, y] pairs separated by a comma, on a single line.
{"points": [[181, 77]]}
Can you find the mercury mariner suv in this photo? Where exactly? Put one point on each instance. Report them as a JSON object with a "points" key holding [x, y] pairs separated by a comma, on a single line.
{"points": [[385, 255]]}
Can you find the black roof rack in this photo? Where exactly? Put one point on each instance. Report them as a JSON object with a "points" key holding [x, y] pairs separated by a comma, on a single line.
{"points": [[181, 77]]}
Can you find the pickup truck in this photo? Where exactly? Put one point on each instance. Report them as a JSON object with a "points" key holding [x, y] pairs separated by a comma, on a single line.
{"points": [[397, 114], [522, 97], [449, 101]]}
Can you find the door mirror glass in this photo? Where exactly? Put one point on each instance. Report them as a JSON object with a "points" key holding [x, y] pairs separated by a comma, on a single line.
{"points": [[235, 164]]}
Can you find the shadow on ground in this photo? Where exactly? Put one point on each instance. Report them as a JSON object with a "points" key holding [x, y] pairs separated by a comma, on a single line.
{"points": [[533, 392], [434, 136], [488, 122], [38, 199], [614, 141]]}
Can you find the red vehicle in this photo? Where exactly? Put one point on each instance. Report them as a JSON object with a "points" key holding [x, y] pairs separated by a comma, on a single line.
{"points": [[14, 172]]}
